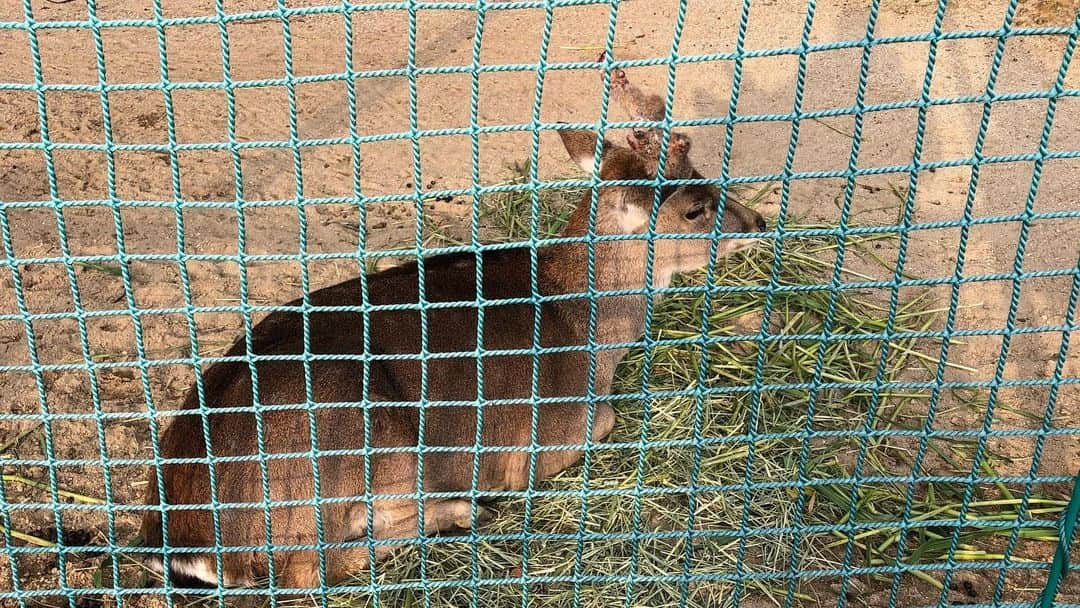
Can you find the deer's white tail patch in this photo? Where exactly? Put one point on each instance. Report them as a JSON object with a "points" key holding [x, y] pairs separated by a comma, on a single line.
{"points": [[199, 567]]}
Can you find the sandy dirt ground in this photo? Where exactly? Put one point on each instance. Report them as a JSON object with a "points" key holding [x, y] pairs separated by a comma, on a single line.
{"points": [[510, 36]]}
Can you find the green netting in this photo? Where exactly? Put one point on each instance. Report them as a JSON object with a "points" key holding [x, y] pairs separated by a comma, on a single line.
{"points": [[773, 294]]}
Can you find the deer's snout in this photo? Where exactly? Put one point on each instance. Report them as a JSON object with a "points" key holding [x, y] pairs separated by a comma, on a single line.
{"points": [[738, 218], [759, 222]]}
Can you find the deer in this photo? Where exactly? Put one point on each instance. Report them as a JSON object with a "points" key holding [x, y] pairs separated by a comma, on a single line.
{"points": [[402, 384]]}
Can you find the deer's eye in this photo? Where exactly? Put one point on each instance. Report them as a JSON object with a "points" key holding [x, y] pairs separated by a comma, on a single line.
{"points": [[695, 213]]}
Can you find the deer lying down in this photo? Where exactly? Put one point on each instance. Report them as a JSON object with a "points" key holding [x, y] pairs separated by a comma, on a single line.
{"points": [[619, 265]]}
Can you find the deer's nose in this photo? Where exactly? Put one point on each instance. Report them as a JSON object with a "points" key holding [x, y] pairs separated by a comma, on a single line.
{"points": [[760, 223]]}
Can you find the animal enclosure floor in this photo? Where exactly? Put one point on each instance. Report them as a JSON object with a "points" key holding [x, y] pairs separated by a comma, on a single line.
{"points": [[445, 38]]}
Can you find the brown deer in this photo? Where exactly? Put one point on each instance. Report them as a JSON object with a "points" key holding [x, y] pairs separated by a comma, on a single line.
{"points": [[561, 269]]}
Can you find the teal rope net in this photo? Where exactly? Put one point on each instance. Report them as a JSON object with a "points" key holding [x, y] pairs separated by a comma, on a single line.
{"points": [[917, 533]]}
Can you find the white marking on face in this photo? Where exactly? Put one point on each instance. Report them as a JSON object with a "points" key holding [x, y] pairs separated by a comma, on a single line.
{"points": [[733, 245], [632, 219]]}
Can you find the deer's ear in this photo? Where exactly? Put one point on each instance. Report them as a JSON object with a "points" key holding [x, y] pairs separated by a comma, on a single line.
{"points": [[581, 146]]}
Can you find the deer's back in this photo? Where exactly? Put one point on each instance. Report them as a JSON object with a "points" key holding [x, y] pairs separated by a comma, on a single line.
{"points": [[401, 372]]}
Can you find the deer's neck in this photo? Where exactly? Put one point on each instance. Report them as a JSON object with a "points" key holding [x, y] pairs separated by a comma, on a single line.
{"points": [[620, 319]]}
